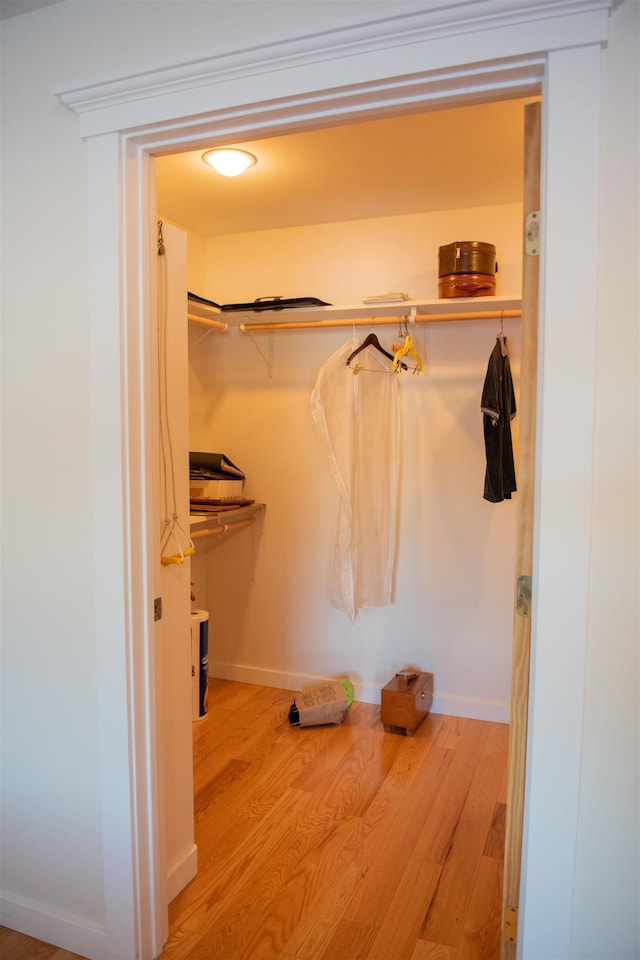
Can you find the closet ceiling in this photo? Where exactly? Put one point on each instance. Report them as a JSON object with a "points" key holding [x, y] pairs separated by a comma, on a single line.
{"points": [[438, 160]]}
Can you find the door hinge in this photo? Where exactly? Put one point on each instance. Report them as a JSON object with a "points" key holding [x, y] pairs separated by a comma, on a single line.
{"points": [[510, 930], [523, 596], [157, 608], [532, 233]]}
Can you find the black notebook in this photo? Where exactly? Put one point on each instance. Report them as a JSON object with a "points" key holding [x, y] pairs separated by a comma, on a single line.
{"points": [[213, 465]]}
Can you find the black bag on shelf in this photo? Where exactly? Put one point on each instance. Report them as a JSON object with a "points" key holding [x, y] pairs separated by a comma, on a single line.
{"points": [[276, 303]]}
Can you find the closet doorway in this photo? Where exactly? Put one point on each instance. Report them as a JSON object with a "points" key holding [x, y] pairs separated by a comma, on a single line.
{"points": [[526, 418], [152, 112]]}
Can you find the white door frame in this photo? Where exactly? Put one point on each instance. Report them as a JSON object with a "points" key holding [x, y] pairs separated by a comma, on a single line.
{"points": [[413, 58]]}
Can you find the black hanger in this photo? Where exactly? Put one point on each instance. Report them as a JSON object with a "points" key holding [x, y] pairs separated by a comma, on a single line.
{"points": [[372, 341]]}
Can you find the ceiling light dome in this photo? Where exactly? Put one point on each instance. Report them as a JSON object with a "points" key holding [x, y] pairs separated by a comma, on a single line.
{"points": [[229, 162]]}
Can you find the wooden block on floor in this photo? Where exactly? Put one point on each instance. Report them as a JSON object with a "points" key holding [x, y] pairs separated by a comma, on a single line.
{"points": [[405, 701]]}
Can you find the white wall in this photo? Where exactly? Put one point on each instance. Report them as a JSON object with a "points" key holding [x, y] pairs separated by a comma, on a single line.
{"points": [[341, 263], [609, 797], [51, 801], [268, 590], [51, 829], [52, 843]]}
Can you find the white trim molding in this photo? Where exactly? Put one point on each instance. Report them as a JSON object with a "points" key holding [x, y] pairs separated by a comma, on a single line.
{"points": [[350, 102], [126, 102], [121, 324], [420, 55], [39, 921], [410, 24], [181, 872], [569, 294]]}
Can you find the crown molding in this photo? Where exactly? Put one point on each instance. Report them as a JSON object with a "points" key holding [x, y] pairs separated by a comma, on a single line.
{"points": [[521, 77], [407, 24]]}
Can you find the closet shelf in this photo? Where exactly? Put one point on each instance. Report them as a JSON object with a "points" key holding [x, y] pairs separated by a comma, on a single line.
{"points": [[422, 311], [419, 311], [200, 523]]}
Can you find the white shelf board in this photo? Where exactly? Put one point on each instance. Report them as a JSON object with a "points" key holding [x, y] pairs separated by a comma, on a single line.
{"points": [[357, 310], [210, 520]]}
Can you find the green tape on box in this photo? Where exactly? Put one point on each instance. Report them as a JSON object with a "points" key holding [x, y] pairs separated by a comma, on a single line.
{"points": [[347, 686]]}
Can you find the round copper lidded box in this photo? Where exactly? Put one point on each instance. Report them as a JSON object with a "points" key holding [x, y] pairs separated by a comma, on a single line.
{"points": [[467, 268]]}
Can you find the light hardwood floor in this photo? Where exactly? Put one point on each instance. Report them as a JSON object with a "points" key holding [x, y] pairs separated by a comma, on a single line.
{"points": [[337, 842]]}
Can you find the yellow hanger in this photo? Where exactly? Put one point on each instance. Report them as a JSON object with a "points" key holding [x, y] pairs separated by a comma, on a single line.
{"points": [[177, 557], [407, 349]]}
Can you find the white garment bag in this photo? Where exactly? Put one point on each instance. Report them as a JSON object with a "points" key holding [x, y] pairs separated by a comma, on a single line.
{"points": [[358, 418]]}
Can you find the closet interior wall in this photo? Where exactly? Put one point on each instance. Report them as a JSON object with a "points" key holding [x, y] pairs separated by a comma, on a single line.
{"points": [[267, 587]]}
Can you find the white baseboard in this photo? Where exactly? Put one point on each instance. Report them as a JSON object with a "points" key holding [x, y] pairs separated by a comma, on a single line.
{"points": [[71, 933], [44, 923], [182, 872], [470, 709], [265, 678]]}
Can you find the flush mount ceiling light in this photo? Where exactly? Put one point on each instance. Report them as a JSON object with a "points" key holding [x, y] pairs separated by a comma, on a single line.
{"points": [[229, 162]]}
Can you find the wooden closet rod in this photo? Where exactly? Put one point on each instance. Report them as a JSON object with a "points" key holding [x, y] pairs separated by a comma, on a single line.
{"points": [[205, 322], [224, 528], [371, 321]]}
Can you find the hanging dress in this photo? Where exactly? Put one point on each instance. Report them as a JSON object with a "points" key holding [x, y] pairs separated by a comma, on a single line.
{"points": [[358, 419], [498, 405]]}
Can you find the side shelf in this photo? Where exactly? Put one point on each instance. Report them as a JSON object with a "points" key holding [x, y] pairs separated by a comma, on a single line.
{"points": [[224, 521]]}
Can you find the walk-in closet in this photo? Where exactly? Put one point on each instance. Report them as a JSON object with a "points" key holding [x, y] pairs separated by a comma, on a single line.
{"points": [[245, 385], [267, 586]]}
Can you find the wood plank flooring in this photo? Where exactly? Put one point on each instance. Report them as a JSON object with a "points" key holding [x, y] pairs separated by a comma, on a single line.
{"points": [[15, 946], [341, 842], [338, 842]]}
